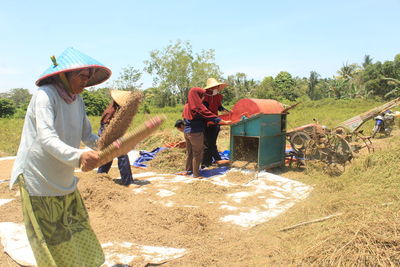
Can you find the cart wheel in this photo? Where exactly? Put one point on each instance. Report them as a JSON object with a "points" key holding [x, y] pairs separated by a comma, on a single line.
{"points": [[341, 150], [298, 142]]}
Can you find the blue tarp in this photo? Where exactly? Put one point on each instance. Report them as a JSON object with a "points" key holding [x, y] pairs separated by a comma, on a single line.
{"points": [[214, 171], [146, 156]]}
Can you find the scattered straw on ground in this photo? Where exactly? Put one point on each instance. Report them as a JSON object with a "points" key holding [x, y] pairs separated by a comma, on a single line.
{"points": [[201, 193], [169, 160], [160, 138], [249, 165], [238, 177], [361, 241]]}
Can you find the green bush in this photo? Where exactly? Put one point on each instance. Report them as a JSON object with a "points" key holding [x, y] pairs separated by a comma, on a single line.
{"points": [[95, 102], [7, 108]]}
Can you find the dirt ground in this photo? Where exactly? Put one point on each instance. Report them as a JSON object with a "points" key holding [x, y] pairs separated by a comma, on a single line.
{"points": [[142, 216], [118, 213]]}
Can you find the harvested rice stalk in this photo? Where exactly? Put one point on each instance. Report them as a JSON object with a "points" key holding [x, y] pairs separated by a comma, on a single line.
{"points": [[121, 120], [170, 160], [126, 143]]}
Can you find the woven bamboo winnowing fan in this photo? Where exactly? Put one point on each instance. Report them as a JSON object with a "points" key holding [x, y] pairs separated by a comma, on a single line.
{"points": [[127, 142], [121, 120]]}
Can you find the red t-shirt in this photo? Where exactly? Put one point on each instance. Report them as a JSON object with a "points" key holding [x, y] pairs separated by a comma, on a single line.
{"points": [[213, 103]]}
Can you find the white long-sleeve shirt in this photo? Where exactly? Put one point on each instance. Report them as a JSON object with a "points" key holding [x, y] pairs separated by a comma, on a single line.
{"points": [[49, 149]]}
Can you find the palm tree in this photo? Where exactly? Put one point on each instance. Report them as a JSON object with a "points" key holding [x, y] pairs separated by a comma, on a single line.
{"points": [[312, 82], [367, 61], [347, 72], [394, 82]]}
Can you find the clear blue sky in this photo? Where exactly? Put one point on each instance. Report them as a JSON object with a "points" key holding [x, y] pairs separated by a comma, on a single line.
{"points": [[259, 38]]}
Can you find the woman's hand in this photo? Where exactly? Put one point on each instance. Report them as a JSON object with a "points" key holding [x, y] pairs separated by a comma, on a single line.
{"points": [[89, 160]]}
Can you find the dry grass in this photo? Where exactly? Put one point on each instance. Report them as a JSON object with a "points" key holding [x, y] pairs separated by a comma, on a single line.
{"points": [[367, 234], [161, 138], [169, 161], [368, 239]]}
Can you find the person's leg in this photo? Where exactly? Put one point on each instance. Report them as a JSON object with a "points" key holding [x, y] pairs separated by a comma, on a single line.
{"points": [[59, 231], [212, 141], [125, 170], [189, 155], [105, 168], [197, 142], [207, 155], [215, 153]]}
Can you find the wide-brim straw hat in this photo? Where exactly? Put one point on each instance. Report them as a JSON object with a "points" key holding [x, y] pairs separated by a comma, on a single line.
{"points": [[211, 82], [72, 60], [120, 96]]}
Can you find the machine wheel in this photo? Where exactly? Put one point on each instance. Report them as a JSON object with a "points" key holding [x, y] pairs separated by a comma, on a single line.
{"points": [[375, 130], [298, 141], [331, 155], [341, 150]]}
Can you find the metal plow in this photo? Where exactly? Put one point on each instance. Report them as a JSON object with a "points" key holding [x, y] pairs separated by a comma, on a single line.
{"points": [[333, 149], [315, 144]]}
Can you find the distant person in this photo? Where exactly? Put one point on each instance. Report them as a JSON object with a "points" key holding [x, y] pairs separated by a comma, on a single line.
{"points": [[119, 99], [180, 125], [213, 101], [55, 217], [195, 116]]}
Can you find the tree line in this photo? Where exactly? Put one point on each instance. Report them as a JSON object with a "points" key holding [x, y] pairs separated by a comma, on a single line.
{"points": [[176, 68]]}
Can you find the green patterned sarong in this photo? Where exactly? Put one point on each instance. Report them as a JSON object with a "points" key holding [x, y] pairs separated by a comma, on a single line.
{"points": [[58, 230]]}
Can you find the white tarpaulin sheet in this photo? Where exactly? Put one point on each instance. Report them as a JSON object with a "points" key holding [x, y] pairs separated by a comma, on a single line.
{"points": [[16, 245], [277, 194], [119, 253], [274, 194]]}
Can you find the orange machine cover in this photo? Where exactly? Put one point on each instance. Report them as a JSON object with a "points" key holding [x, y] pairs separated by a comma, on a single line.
{"points": [[250, 106]]}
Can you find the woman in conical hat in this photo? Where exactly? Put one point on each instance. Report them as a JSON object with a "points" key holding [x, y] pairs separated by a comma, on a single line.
{"points": [[213, 101], [55, 217], [119, 99]]}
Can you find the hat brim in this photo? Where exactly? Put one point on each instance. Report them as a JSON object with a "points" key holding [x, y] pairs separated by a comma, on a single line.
{"points": [[100, 75], [121, 97], [222, 85]]}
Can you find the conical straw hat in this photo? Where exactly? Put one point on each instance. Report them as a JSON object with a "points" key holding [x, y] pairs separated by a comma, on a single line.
{"points": [[72, 60], [211, 82], [120, 96]]}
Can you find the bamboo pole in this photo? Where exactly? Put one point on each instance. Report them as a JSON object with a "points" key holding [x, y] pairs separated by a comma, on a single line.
{"points": [[310, 222]]}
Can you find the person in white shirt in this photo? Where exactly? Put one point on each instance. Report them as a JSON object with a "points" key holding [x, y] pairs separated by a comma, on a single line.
{"points": [[55, 217]]}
